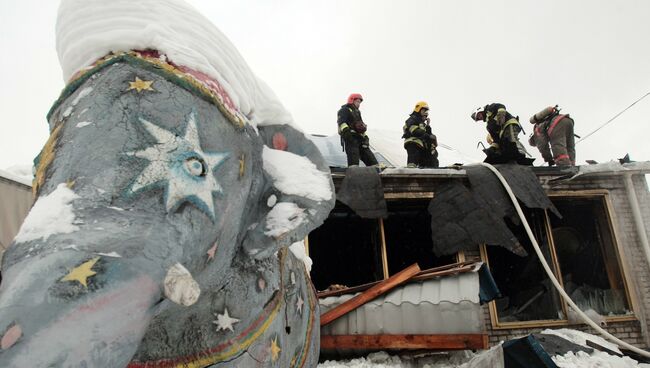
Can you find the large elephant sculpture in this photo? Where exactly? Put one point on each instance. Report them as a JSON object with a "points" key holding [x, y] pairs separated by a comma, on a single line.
{"points": [[167, 227]]}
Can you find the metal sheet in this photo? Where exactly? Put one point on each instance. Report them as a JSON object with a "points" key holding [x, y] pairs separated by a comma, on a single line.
{"points": [[15, 202]]}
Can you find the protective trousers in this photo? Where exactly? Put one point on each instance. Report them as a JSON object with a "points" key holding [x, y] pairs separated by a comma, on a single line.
{"points": [[357, 147], [561, 138], [419, 156]]}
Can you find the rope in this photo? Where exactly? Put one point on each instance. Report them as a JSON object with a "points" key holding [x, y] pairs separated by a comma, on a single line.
{"points": [[612, 119]]}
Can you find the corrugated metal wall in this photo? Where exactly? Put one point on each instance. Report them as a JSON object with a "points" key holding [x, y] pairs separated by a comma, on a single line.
{"points": [[15, 202], [449, 305]]}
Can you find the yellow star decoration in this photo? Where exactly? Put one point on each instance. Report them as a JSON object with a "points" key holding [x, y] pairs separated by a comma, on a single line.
{"points": [[140, 85], [82, 272], [275, 349]]}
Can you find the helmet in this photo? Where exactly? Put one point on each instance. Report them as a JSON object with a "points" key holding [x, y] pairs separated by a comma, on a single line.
{"points": [[421, 105], [479, 114], [353, 97]]}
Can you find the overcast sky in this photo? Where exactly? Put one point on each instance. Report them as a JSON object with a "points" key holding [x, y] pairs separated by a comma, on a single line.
{"points": [[590, 57]]}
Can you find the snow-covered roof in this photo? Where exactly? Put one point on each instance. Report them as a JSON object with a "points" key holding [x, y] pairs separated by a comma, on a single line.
{"points": [[330, 148], [391, 145], [87, 30], [615, 167], [22, 179]]}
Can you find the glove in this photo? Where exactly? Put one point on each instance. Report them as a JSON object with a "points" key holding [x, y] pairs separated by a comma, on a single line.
{"points": [[360, 127], [551, 163], [431, 138], [531, 140]]}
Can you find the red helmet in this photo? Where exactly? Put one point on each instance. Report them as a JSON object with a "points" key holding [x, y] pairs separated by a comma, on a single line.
{"points": [[353, 97]]}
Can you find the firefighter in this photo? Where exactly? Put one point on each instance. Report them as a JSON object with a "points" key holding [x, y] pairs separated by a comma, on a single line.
{"points": [[503, 129], [352, 130], [551, 127], [419, 142]]}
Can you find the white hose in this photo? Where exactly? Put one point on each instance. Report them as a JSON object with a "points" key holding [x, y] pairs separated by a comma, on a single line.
{"points": [[557, 285]]}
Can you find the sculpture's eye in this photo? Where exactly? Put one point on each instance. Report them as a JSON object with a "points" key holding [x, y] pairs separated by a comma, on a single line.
{"points": [[195, 166]]}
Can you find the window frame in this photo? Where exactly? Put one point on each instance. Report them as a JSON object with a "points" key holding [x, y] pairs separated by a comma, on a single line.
{"points": [[494, 320], [604, 197]]}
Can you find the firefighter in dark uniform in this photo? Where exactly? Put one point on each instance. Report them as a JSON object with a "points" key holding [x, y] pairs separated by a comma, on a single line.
{"points": [[555, 129], [503, 129], [352, 130], [419, 142]]}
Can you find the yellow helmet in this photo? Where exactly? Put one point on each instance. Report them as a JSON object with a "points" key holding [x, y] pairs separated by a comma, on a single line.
{"points": [[421, 105]]}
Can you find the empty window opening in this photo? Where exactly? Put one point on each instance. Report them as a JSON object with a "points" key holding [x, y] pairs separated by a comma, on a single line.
{"points": [[587, 255], [346, 250], [527, 292], [407, 232]]}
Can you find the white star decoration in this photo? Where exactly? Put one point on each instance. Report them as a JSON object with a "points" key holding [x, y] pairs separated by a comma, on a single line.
{"points": [[299, 304], [181, 167], [224, 321]]}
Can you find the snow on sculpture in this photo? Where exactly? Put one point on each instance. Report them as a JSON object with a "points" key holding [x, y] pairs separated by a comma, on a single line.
{"points": [[180, 183]]}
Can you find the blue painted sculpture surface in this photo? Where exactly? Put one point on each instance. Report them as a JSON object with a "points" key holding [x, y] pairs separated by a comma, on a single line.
{"points": [[160, 236]]}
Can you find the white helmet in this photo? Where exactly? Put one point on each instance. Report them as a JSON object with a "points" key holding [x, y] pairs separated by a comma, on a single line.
{"points": [[479, 114]]}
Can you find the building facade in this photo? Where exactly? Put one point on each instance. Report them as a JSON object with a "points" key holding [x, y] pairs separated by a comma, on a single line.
{"points": [[598, 250]]}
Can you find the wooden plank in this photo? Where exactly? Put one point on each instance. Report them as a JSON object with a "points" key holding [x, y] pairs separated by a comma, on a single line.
{"points": [[422, 275], [408, 341], [384, 252], [408, 195], [370, 294]]}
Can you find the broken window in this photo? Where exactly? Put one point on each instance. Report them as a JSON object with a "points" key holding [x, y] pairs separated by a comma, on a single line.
{"points": [[407, 231], [350, 250], [586, 251], [527, 292], [346, 250]]}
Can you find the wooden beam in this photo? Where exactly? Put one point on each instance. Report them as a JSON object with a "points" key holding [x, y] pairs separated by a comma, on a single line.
{"points": [[415, 342], [422, 275], [380, 288]]}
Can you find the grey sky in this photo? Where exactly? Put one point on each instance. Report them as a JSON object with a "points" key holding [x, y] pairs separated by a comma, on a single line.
{"points": [[590, 57]]}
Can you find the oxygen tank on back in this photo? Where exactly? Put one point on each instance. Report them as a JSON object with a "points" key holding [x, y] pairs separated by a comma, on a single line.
{"points": [[542, 115]]}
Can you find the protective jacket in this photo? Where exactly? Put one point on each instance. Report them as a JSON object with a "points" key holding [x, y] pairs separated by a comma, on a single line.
{"points": [[349, 120], [501, 124], [504, 130], [419, 143], [554, 133], [418, 131], [354, 140]]}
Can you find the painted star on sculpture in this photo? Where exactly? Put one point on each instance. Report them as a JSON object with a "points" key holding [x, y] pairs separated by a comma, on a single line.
{"points": [[82, 272], [224, 321], [275, 349], [179, 165], [299, 304], [140, 85]]}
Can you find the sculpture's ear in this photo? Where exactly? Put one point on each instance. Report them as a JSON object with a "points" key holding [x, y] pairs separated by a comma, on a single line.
{"points": [[298, 193]]}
